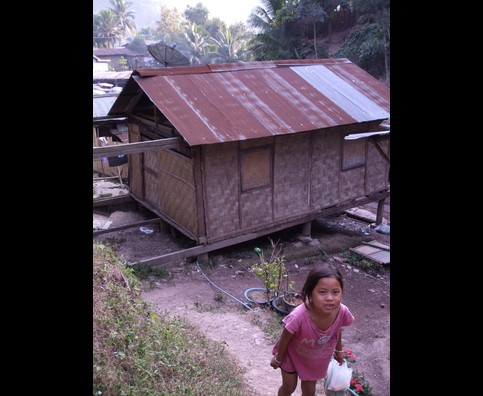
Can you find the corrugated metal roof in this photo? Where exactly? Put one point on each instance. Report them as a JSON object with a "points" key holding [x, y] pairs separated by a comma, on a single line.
{"points": [[118, 51], [221, 103], [111, 75], [101, 105]]}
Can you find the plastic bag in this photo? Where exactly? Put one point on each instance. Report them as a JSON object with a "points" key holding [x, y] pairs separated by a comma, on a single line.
{"points": [[338, 377]]}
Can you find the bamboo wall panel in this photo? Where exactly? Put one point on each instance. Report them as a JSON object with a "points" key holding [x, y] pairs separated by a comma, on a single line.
{"points": [[221, 189], [256, 168], [352, 183], [174, 184], [291, 175], [256, 207], [135, 164], [325, 169], [377, 174], [102, 165], [151, 177], [176, 165]]}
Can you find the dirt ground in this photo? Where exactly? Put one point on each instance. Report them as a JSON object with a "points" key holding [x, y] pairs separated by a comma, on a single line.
{"points": [[211, 296]]}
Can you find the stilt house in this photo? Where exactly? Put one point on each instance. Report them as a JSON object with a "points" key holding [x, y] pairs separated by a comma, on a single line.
{"points": [[246, 149]]}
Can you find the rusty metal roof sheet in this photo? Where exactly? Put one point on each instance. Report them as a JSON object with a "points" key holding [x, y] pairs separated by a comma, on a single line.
{"points": [[118, 51], [101, 105], [221, 103], [111, 75]]}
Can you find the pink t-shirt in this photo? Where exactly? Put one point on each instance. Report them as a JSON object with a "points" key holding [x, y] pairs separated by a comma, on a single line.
{"points": [[310, 349]]}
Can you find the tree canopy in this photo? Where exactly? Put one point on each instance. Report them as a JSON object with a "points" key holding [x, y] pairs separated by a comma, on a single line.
{"points": [[277, 29]]}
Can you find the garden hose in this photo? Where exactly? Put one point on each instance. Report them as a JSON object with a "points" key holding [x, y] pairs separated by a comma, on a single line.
{"points": [[236, 299]]}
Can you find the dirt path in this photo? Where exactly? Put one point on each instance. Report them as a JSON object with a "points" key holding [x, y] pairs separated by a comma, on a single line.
{"points": [[245, 341], [188, 293]]}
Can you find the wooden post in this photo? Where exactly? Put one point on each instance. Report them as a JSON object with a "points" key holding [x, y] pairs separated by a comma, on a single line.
{"points": [[380, 211], [119, 174], [163, 226], [307, 229], [173, 232]]}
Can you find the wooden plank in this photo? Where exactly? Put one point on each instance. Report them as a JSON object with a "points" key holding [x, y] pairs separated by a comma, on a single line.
{"points": [[117, 200], [382, 257], [377, 244], [378, 256], [201, 249], [366, 250], [198, 181], [195, 251], [361, 214], [136, 147]]}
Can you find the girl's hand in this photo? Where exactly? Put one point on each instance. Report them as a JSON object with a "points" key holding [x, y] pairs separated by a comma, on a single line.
{"points": [[275, 363], [339, 356]]}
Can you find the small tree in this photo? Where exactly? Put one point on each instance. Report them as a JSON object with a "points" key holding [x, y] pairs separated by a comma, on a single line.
{"points": [[272, 270], [122, 62]]}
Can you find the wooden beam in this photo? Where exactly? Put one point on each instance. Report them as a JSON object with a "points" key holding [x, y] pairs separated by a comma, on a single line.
{"points": [[195, 251], [167, 131], [377, 245], [117, 200], [136, 147], [126, 226], [173, 257]]}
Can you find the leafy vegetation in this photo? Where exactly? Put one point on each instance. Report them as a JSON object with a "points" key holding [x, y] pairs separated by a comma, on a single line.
{"points": [[137, 352], [358, 261], [277, 29], [272, 270], [268, 321]]}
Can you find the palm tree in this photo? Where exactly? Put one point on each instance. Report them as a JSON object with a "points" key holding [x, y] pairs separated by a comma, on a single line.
{"points": [[197, 44], [231, 45], [105, 29], [277, 37], [124, 16]]}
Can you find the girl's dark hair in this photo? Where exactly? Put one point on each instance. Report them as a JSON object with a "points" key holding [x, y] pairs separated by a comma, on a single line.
{"points": [[327, 270]]}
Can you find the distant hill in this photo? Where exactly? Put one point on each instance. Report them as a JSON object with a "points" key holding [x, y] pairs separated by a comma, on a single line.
{"points": [[146, 11]]}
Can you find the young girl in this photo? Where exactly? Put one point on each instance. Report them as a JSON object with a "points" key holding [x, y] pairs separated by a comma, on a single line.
{"points": [[312, 332]]}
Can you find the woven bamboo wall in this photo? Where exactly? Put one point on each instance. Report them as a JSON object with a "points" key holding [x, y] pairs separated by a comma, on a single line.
{"points": [[102, 165], [135, 164], [352, 184], [151, 178], [307, 176], [255, 208], [221, 189], [172, 188], [291, 175], [377, 174], [325, 154], [256, 205]]}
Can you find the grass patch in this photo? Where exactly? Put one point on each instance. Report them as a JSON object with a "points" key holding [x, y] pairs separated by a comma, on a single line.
{"points": [[206, 307], [269, 321], [143, 272], [137, 352], [358, 261]]}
